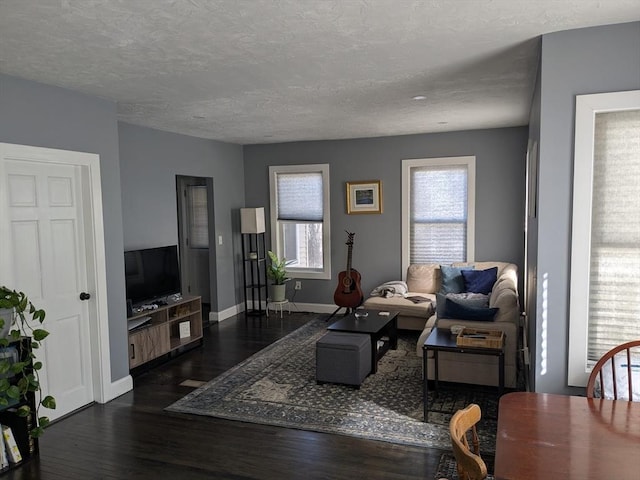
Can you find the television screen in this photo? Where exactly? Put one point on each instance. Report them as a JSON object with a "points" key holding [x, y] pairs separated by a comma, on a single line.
{"points": [[151, 273]]}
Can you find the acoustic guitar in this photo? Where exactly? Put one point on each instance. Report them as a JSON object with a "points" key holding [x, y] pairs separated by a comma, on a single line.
{"points": [[348, 294]]}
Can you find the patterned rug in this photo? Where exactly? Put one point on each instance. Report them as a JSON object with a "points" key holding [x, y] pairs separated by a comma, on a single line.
{"points": [[447, 468], [277, 386]]}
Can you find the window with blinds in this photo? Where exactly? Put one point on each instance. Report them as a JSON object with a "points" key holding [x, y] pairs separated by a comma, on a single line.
{"points": [[439, 210], [198, 219], [300, 218], [438, 214], [614, 282], [605, 256]]}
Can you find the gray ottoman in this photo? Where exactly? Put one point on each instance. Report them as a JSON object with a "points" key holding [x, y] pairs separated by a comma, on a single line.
{"points": [[343, 357]]}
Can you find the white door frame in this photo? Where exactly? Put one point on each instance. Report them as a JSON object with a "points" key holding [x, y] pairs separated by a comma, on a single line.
{"points": [[89, 164]]}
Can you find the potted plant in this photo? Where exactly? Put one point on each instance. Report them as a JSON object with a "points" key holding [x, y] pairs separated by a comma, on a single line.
{"points": [[277, 271], [21, 377]]}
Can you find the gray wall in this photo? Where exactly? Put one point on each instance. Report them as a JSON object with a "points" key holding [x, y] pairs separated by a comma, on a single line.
{"points": [[43, 116], [500, 167], [592, 60], [150, 160]]}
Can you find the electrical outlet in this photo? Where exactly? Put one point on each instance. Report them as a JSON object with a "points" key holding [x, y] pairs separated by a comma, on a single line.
{"points": [[298, 285]]}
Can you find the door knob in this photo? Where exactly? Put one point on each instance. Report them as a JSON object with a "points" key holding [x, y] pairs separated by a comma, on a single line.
{"points": [[85, 296]]}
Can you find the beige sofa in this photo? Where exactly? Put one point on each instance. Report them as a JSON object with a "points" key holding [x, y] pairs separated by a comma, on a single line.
{"points": [[425, 281]]}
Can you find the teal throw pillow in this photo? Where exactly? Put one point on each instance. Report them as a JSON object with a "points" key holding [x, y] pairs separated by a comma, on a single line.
{"points": [[452, 280], [480, 281]]}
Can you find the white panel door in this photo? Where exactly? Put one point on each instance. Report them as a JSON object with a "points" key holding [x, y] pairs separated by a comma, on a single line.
{"points": [[46, 238]]}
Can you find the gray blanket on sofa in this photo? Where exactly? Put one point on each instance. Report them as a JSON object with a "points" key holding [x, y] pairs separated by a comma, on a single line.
{"points": [[389, 289]]}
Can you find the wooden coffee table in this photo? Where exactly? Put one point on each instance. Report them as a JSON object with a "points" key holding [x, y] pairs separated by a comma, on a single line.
{"points": [[376, 326], [442, 340]]}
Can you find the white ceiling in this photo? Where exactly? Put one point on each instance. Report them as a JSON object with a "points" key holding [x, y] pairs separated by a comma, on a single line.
{"points": [[263, 71]]}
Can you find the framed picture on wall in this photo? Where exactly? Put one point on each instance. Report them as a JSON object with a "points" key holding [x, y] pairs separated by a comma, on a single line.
{"points": [[364, 197]]}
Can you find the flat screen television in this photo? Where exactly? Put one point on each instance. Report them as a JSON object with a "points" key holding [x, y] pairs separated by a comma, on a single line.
{"points": [[151, 273]]}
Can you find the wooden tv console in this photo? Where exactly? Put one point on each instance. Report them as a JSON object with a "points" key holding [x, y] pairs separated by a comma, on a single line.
{"points": [[172, 326]]}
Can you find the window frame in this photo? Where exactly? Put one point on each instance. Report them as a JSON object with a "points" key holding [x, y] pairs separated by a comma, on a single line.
{"points": [[276, 234], [407, 165], [587, 106]]}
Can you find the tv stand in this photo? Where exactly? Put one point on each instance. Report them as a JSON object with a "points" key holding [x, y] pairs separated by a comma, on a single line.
{"points": [[172, 326]]}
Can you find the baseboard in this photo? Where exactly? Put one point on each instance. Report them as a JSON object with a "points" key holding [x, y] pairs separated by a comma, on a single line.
{"points": [[312, 307], [295, 307], [226, 313]]}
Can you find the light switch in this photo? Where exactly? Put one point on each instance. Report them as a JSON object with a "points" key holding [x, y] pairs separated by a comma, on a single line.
{"points": [[219, 239]]}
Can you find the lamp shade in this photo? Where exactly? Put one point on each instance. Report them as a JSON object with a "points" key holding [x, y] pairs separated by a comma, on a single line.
{"points": [[252, 220]]}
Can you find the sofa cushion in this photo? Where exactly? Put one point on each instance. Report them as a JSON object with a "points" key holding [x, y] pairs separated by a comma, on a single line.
{"points": [[452, 280], [422, 278], [404, 306], [480, 281], [506, 299]]}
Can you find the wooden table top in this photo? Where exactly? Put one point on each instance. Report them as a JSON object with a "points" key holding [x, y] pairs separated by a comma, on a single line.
{"points": [[559, 436]]}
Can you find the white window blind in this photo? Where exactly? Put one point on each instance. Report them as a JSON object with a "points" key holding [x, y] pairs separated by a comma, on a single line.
{"points": [[300, 218], [614, 283], [300, 196], [438, 214], [198, 220]]}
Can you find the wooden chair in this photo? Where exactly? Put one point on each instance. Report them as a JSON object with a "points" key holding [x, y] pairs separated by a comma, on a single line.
{"points": [[608, 368], [463, 422]]}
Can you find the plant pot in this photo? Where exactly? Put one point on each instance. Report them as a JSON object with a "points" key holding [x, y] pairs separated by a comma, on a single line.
{"points": [[6, 314], [277, 293]]}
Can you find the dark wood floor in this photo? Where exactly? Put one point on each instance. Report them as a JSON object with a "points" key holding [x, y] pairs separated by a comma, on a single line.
{"points": [[132, 437]]}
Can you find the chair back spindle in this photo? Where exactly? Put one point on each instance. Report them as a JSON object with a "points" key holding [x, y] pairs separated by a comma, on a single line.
{"points": [[616, 371]]}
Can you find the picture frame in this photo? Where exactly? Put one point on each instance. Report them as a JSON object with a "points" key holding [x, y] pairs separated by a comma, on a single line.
{"points": [[364, 197]]}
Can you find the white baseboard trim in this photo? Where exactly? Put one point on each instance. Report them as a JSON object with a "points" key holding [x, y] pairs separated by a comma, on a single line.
{"points": [[312, 307], [295, 307], [226, 313]]}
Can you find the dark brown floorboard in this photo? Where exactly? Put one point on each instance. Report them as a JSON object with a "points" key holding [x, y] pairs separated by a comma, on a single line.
{"points": [[132, 437]]}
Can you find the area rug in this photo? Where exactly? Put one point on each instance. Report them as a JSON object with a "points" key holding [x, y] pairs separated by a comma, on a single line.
{"points": [[277, 386]]}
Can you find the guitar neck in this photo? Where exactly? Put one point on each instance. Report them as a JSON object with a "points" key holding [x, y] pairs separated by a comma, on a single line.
{"points": [[349, 250]]}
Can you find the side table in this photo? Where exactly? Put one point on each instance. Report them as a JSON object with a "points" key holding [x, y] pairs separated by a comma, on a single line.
{"points": [[441, 340]]}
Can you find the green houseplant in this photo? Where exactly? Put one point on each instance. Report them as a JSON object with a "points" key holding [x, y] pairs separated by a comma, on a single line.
{"points": [[16, 306], [277, 271]]}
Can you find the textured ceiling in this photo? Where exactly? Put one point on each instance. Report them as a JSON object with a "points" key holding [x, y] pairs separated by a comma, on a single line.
{"points": [[263, 71]]}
